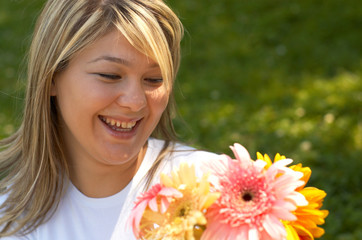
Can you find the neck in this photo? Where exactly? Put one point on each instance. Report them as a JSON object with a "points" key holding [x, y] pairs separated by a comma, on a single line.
{"points": [[97, 180]]}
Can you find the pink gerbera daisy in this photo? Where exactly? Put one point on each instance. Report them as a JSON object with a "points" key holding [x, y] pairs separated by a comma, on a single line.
{"points": [[253, 199]]}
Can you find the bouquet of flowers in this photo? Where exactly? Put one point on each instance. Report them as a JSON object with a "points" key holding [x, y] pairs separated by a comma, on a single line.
{"points": [[235, 199]]}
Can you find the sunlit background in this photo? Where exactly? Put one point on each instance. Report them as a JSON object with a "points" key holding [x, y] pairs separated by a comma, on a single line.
{"points": [[275, 76]]}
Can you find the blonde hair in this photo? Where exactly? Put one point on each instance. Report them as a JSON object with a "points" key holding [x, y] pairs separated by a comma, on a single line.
{"points": [[32, 160]]}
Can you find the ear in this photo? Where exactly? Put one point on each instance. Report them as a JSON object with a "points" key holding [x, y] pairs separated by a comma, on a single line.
{"points": [[53, 90]]}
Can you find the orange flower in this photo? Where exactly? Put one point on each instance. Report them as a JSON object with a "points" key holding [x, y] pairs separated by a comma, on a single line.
{"points": [[308, 217]]}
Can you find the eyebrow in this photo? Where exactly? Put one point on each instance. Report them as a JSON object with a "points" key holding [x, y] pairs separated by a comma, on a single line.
{"points": [[111, 59], [119, 61]]}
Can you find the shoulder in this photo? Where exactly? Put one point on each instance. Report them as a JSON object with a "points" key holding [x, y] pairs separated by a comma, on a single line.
{"points": [[186, 153], [3, 198], [182, 153], [179, 149]]}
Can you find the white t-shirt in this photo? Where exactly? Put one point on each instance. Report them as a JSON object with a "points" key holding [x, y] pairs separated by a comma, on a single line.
{"points": [[79, 217]]}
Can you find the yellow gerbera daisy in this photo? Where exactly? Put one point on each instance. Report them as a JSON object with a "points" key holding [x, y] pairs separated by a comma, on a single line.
{"points": [[308, 217], [184, 217]]}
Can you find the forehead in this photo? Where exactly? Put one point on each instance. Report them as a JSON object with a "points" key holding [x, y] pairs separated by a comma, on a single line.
{"points": [[114, 46]]}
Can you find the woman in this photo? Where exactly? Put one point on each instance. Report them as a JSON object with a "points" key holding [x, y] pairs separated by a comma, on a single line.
{"points": [[99, 93]]}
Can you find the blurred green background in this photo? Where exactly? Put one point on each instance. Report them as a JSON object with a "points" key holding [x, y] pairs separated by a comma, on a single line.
{"points": [[275, 76]]}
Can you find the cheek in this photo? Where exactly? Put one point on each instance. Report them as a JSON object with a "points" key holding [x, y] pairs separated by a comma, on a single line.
{"points": [[97, 97], [80, 99], [158, 100]]}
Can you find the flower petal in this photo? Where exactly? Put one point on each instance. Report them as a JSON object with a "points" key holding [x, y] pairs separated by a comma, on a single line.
{"points": [[274, 227], [240, 152], [152, 204]]}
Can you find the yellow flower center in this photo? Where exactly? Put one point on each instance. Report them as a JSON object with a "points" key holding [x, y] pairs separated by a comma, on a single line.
{"points": [[182, 209]]}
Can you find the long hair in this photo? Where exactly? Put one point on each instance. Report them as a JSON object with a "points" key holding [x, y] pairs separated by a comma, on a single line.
{"points": [[33, 159]]}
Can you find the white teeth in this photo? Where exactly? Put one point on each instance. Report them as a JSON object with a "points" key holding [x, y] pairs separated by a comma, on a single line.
{"points": [[115, 123]]}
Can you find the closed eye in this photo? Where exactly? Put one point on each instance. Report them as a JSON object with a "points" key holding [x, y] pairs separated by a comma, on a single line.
{"points": [[154, 80], [109, 76]]}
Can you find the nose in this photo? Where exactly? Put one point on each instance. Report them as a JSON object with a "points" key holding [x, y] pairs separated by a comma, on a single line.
{"points": [[132, 96]]}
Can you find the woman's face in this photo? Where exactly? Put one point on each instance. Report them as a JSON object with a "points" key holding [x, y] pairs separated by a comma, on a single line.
{"points": [[110, 99]]}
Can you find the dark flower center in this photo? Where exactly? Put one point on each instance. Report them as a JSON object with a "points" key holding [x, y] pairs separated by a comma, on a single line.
{"points": [[247, 196], [182, 212]]}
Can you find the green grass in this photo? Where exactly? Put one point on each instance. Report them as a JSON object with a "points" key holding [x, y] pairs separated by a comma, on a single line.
{"points": [[275, 76]]}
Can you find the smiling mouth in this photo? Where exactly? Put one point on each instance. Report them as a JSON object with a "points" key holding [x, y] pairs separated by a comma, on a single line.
{"points": [[118, 126]]}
